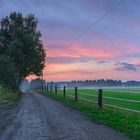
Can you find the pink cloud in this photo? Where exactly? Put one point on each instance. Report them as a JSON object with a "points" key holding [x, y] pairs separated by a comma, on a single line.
{"points": [[83, 75], [100, 48], [63, 57], [137, 63]]}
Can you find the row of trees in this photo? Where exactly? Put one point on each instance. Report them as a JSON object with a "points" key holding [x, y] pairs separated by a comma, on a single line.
{"points": [[100, 82], [21, 49], [97, 83], [37, 83]]}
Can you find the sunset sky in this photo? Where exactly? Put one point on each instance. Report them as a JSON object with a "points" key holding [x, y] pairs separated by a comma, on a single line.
{"points": [[110, 49]]}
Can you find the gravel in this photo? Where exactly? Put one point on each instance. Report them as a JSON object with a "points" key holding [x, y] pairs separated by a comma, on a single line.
{"points": [[42, 118]]}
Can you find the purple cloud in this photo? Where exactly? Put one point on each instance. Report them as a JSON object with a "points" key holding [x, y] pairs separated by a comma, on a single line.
{"points": [[67, 59], [125, 67]]}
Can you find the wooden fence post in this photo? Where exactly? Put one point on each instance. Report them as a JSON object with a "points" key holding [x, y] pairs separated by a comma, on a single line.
{"points": [[42, 87], [55, 89], [47, 88], [51, 89], [100, 98], [64, 92], [76, 94]]}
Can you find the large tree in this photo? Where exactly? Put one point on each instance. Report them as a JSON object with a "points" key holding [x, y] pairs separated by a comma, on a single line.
{"points": [[8, 73], [20, 40]]}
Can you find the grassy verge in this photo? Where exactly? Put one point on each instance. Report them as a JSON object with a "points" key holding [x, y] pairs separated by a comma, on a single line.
{"points": [[8, 99], [122, 121]]}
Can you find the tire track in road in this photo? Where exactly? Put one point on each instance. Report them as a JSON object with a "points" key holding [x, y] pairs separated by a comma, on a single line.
{"points": [[42, 118]]}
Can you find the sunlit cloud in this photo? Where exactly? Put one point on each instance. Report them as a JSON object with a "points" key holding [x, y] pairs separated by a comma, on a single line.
{"points": [[137, 63], [114, 40], [101, 48]]}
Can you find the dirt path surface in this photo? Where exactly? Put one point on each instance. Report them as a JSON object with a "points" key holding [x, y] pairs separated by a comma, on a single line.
{"points": [[6, 118], [42, 118]]}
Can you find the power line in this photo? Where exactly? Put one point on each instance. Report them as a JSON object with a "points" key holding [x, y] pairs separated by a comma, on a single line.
{"points": [[93, 24]]}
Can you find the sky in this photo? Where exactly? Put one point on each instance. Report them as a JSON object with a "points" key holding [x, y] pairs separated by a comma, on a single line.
{"points": [[109, 50]]}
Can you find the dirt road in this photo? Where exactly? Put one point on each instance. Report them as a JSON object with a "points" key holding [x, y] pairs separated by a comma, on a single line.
{"points": [[42, 118]]}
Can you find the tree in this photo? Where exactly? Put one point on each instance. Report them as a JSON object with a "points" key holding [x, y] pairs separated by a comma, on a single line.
{"points": [[37, 83], [21, 41], [8, 73]]}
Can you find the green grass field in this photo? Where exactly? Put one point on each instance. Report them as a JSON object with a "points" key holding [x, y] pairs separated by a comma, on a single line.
{"points": [[123, 121], [122, 94], [137, 89], [8, 99]]}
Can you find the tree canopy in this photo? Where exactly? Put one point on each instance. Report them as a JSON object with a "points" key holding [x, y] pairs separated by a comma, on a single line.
{"points": [[21, 45]]}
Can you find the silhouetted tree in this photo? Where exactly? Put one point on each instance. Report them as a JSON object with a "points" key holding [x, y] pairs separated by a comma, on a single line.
{"points": [[8, 73], [21, 41]]}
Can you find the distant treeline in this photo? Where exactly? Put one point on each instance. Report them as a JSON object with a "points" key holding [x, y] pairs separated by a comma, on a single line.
{"points": [[131, 83], [98, 83], [38, 83]]}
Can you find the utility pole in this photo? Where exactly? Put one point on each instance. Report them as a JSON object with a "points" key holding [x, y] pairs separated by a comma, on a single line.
{"points": [[42, 79]]}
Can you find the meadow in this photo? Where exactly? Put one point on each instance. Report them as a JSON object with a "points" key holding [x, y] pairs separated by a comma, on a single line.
{"points": [[126, 98], [122, 120]]}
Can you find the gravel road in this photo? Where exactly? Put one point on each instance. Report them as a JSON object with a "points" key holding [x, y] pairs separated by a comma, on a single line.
{"points": [[42, 118]]}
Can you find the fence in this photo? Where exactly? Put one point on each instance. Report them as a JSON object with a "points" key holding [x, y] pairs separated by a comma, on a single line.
{"points": [[100, 97]]}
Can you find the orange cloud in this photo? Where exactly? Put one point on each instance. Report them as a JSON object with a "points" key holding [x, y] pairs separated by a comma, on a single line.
{"points": [[83, 75], [66, 64]]}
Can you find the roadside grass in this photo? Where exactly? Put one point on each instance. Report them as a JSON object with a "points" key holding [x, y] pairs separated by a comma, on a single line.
{"points": [[122, 121], [8, 99]]}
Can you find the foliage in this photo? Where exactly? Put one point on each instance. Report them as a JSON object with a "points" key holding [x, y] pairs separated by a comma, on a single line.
{"points": [[37, 83], [8, 99], [20, 40], [8, 74], [100, 83]]}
